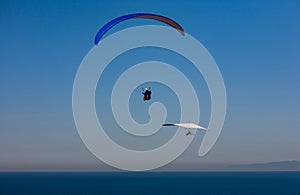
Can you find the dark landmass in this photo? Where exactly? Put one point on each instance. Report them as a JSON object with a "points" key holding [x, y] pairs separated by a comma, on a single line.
{"points": [[270, 166]]}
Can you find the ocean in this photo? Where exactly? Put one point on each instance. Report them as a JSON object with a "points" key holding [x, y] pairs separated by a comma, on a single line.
{"points": [[151, 183]]}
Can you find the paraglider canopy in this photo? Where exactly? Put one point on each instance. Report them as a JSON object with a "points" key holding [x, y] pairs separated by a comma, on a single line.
{"points": [[115, 21]]}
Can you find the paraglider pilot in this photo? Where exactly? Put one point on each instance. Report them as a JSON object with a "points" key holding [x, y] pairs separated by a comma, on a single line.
{"points": [[147, 94]]}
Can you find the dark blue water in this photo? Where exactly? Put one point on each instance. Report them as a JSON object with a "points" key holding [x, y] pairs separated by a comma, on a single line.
{"points": [[150, 183]]}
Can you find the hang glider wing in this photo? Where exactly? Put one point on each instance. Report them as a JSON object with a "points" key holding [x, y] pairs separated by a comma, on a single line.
{"points": [[186, 125]]}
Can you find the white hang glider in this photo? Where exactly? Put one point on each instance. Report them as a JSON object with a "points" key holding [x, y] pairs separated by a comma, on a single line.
{"points": [[187, 126]]}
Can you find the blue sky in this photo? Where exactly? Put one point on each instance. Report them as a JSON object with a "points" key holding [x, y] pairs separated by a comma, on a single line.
{"points": [[255, 44]]}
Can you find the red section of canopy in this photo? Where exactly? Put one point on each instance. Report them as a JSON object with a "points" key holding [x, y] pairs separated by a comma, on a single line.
{"points": [[164, 20]]}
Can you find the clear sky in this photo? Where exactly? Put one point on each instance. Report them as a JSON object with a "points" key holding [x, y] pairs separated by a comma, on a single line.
{"points": [[256, 45]]}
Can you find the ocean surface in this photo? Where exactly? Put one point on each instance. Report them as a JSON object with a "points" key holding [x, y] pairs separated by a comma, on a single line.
{"points": [[151, 183]]}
